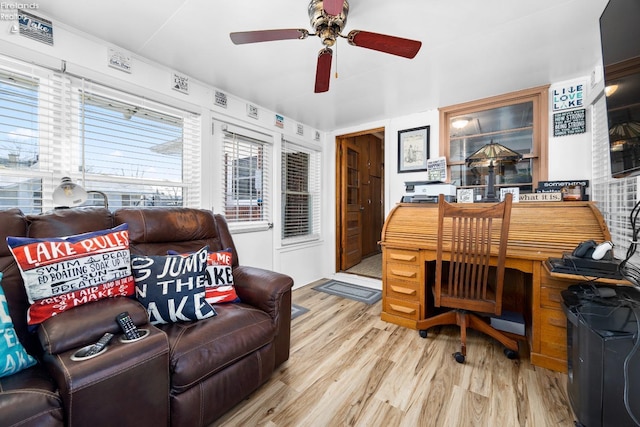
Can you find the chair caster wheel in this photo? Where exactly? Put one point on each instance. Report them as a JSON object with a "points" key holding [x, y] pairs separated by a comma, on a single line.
{"points": [[459, 357], [423, 333], [510, 353]]}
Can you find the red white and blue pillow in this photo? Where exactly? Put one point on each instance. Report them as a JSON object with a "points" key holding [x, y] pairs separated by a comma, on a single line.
{"points": [[60, 273], [219, 267]]}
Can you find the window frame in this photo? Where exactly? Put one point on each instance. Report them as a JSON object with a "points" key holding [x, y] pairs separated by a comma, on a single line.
{"points": [[59, 116], [539, 96], [312, 192], [264, 152]]}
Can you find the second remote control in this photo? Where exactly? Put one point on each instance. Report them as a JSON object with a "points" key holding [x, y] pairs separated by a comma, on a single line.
{"points": [[128, 327], [99, 345]]}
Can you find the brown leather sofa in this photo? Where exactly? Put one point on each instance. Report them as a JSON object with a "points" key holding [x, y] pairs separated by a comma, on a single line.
{"points": [[181, 374]]}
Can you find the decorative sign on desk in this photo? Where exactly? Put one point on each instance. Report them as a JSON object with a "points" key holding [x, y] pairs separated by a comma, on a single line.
{"points": [[515, 193], [570, 190], [541, 197], [465, 195], [569, 122], [437, 169]]}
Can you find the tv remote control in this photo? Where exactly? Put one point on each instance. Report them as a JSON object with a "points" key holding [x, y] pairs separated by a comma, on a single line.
{"points": [[128, 327], [99, 345]]}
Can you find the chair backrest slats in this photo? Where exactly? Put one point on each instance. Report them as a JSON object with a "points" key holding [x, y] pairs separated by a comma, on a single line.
{"points": [[476, 240]]}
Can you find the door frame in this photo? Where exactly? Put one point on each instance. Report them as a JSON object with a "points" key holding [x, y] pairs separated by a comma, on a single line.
{"points": [[340, 208]]}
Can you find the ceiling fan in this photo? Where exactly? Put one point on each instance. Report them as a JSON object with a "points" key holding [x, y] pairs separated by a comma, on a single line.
{"points": [[328, 18]]}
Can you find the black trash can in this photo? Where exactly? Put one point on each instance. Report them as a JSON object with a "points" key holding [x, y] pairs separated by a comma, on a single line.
{"points": [[603, 354]]}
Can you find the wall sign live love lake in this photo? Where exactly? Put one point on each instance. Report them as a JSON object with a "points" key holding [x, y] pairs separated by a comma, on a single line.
{"points": [[568, 97]]}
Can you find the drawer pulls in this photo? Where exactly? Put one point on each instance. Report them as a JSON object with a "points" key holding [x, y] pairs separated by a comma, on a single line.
{"points": [[403, 273], [402, 290], [555, 297], [402, 257], [401, 309], [557, 322]]}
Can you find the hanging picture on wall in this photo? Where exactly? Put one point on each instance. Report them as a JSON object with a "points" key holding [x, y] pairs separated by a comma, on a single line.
{"points": [[180, 83], [413, 149], [119, 59], [32, 26]]}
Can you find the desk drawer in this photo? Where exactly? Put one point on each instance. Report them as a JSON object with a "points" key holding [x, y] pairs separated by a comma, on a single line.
{"points": [[403, 256], [402, 308], [402, 290], [403, 272], [551, 297], [553, 325]]}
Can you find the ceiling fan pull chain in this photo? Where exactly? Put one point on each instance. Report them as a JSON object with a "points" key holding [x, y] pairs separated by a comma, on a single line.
{"points": [[336, 46]]}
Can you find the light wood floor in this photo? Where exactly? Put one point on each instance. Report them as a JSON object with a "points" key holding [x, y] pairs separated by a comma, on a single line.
{"points": [[348, 367]]}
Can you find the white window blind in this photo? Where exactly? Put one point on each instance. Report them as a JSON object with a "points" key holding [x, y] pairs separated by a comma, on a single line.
{"points": [[246, 177], [615, 197], [300, 193], [137, 151], [34, 123]]}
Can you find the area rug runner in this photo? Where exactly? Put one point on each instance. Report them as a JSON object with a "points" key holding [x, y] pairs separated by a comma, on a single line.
{"points": [[297, 310], [351, 291]]}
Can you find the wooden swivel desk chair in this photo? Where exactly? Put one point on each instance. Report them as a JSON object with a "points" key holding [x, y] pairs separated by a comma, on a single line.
{"points": [[465, 282]]}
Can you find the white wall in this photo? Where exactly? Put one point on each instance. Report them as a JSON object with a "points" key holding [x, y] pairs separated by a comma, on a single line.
{"points": [[86, 56], [569, 157]]}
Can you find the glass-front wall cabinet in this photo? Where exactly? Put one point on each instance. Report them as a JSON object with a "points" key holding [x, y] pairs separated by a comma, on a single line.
{"points": [[517, 121]]}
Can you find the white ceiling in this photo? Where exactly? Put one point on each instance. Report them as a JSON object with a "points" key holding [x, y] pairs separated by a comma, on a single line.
{"points": [[470, 49]]}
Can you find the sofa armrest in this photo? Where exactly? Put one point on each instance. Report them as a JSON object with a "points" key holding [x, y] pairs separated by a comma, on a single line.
{"points": [[261, 288], [270, 292], [84, 324]]}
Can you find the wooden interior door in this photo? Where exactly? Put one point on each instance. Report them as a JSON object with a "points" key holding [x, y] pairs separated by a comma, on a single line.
{"points": [[351, 226], [359, 196], [371, 192]]}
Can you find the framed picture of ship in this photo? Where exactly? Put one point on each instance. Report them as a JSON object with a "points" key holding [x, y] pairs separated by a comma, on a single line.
{"points": [[413, 149]]}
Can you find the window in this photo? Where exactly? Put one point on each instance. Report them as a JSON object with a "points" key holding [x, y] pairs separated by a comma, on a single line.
{"points": [[21, 125], [136, 154], [300, 193], [246, 178], [517, 120], [137, 151]]}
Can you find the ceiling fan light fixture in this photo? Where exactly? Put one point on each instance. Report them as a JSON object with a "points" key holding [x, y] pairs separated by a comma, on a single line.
{"points": [[328, 36]]}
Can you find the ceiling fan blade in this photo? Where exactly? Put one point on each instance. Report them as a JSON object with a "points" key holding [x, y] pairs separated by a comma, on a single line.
{"points": [[384, 43], [333, 7], [243, 37], [323, 71]]}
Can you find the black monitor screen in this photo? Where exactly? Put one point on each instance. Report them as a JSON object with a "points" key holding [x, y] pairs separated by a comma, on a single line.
{"points": [[620, 32]]}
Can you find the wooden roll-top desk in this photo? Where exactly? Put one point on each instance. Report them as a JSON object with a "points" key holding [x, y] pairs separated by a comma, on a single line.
{"points": [[539, 230]]}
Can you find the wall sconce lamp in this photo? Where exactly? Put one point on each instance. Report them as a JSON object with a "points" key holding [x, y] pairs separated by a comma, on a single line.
{"points": [[488, 155], [69, 194]]}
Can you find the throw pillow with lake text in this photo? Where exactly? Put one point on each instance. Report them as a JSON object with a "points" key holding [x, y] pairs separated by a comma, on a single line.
{"points": [[60, 273], [13, 356], [172, 287]]}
